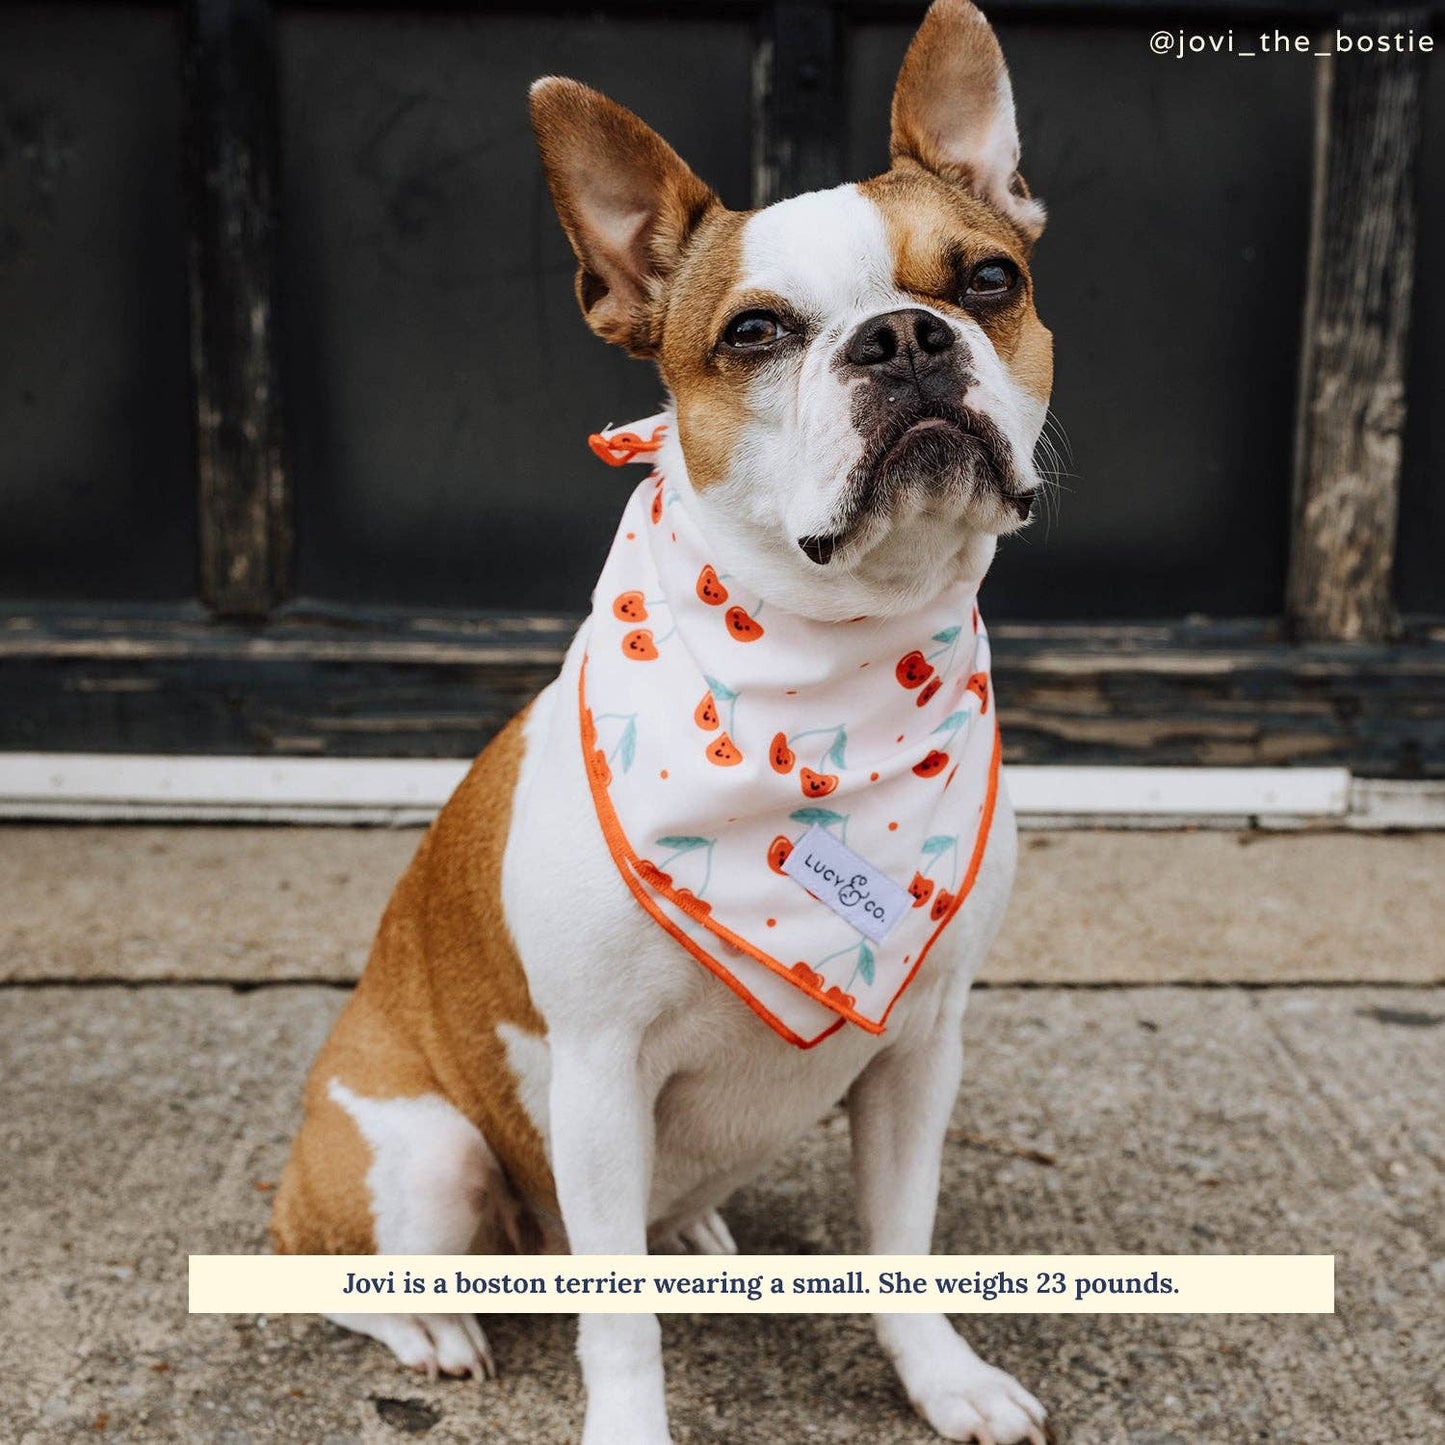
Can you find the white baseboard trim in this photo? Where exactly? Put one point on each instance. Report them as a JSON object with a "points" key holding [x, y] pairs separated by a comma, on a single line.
{"points": [[174, 782], [1185, 792], [100, 787]]}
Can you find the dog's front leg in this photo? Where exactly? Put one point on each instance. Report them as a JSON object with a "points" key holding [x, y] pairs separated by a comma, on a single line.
{"points": [[899, 1109], [602, 1140]]}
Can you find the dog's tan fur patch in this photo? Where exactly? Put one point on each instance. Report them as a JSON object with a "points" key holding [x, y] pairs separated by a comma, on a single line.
{"points": [[936, 232], [442, 975], [712, 409]]}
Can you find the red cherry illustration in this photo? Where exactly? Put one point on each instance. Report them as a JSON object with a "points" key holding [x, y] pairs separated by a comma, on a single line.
{"points": [[913, 669], [816, 785], [710, 588], [630, 607], [741, 626], [639, 646], [978, 684], [705, 713], [932, 765], [942, 902], [780, 755], [778, 852], [920, 888], [724, 752], [929, 689], [807, 975]]}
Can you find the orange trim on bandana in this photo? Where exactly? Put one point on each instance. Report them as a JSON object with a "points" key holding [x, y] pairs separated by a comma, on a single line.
{"points": [[985, 827], [629, 865], [620, 447], [626, 861]]}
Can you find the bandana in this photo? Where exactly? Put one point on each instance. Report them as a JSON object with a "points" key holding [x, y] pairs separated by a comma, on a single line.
{"points": [[802, 805]]}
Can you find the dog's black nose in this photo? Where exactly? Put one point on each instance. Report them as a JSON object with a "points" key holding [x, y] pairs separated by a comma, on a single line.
{"points": [[899, 342]]}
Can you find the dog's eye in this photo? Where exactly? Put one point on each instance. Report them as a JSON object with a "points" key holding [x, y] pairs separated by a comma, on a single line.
{"points": [[993, 278], [749, 330]]}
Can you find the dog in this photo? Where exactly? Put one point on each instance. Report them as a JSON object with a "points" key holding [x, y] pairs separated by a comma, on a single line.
{"points": [[559, 1044]]}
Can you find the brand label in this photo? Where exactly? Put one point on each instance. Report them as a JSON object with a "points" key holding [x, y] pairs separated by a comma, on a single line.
{"points": [[851, 886]]}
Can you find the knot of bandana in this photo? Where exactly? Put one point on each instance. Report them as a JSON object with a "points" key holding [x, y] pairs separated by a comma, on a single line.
{"points": [[722, 736]]}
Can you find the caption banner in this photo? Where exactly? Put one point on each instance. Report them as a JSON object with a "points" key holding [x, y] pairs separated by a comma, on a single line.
{"points": [[763, 1284]]}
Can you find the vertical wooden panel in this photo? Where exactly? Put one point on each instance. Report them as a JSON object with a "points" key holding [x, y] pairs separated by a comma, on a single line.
{"points": [[231, 186], [798, 90], [1352, 402]]}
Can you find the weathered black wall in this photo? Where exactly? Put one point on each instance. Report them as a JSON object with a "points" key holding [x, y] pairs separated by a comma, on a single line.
{"points": [[97, 491], [1420, 557], [442, 381], [439, 383]]}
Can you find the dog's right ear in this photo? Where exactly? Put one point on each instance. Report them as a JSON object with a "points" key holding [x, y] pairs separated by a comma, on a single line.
{"points": [[627, 202], [953, 112]]}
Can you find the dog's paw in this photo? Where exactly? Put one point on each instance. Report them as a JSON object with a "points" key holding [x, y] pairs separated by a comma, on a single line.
{"points": [[707, 1234], [432, 1344], [979, 1403]]}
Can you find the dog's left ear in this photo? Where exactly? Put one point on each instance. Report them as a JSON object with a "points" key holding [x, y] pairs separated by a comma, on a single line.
{"points": [[953, 112]]}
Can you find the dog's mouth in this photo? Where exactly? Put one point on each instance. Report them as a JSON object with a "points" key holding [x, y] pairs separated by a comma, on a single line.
{"points": [[925, 431], [954, 453]]}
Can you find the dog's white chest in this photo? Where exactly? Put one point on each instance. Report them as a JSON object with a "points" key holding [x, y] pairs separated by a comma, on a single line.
{"points": [[730, 1093]]}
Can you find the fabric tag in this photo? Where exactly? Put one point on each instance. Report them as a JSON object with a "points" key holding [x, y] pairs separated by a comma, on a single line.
{"points": [[851, 886]]}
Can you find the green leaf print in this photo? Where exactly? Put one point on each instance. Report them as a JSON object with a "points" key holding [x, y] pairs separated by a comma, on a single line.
{"points": [[821, 816], [719, 690], [834, 755], [865, 962], [627, 745], [939, 843], [952, 721], [947, 635], [681, 843]]}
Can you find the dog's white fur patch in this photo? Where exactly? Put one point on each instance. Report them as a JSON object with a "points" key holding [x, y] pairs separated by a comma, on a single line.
{"points": [[530, 1059], [429, 1171], [826, 251], [431, 1181]]}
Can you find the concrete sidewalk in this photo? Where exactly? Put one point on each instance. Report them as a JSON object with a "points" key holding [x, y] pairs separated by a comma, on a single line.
{"points": [[143, 1121], [254, 904], [142, 1125]]}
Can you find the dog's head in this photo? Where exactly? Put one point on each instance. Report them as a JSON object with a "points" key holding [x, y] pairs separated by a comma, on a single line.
{"points": [[860, 377]]}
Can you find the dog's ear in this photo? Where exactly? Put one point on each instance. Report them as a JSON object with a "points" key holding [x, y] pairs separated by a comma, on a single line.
{"points": [[953, 112], [626, 201]]}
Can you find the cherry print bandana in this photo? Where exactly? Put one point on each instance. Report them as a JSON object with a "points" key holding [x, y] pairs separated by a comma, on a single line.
{"points": [[720, 733]]}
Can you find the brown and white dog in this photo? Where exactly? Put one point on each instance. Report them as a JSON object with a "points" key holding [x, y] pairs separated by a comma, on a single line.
{"points": [[858, 381]]}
